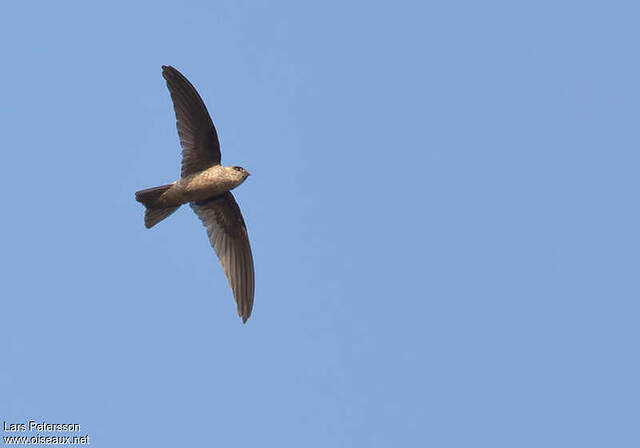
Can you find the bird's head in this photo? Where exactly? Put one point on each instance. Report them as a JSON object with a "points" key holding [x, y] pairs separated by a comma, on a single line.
{"points": [[239, 173]]}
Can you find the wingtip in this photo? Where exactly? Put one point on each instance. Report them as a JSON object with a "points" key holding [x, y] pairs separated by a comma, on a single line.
{"points": [[167, 71]]}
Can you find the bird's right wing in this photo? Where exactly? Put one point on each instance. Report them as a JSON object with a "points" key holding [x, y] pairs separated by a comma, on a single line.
{"points": [[198, 136], [228, 236]]}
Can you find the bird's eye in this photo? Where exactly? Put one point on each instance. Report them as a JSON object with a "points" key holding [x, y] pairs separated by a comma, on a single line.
{"points": [[238, 168]]}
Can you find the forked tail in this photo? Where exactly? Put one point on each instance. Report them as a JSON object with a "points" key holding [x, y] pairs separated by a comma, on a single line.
{"points": [[149, 197]]}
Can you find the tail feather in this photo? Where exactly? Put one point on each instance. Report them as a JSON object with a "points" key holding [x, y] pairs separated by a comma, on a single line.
{"points": [[153, 216], [149, 197]]}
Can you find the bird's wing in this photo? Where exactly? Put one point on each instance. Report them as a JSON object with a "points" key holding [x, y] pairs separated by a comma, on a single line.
{"points": [[228, 236], [198, 136]]}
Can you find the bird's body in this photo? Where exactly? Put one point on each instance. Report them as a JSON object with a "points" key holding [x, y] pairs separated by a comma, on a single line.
{"points": [[201, 186], [205, 184]]}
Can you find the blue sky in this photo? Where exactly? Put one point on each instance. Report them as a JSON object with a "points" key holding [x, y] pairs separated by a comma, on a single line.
{"points": [[443, 210]]}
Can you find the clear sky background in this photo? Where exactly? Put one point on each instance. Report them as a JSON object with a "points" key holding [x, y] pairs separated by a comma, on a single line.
{"points": [[443, 210]]}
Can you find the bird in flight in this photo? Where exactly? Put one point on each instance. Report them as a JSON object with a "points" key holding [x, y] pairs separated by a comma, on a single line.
{"points": [[206, 185]]}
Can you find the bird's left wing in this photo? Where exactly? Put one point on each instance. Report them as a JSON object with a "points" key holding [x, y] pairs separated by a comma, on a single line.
{"points": [[198, 135], [228, 236]]}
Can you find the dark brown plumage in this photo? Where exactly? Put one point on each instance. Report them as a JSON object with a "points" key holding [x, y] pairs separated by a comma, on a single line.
{"points": [[206, 185]]}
